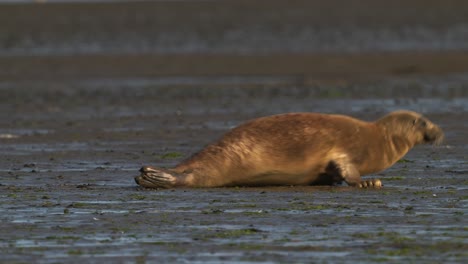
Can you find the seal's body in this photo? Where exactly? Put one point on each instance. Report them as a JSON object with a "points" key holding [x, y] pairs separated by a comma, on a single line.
{"points": [[299, 149]]}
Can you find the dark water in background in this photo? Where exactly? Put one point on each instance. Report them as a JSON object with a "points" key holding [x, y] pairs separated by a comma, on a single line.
{"points": [[253, 40], [233, 27]]}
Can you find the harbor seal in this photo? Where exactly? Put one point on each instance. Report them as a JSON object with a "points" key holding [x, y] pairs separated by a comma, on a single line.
{"points": [[299, 149]]}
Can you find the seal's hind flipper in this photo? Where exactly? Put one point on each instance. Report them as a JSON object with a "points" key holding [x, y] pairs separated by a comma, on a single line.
{"points": [[151, 177]]}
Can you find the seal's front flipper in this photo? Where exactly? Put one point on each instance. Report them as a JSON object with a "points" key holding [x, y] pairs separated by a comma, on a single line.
{"points": [[373, 183], [353, 178]]}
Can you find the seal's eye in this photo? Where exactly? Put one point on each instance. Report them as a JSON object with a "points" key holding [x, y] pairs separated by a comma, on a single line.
{"points": [[422, 123]]}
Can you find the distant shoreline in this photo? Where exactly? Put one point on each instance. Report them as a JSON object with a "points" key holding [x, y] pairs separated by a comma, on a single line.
{"points": [[303, 67]]}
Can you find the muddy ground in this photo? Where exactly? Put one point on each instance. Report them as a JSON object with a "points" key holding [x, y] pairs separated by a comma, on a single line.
{"points": [[75, 128], [67, 190]]}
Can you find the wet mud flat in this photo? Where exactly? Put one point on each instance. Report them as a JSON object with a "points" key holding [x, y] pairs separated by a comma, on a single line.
{"points": [[67, 190], [91, 92]]}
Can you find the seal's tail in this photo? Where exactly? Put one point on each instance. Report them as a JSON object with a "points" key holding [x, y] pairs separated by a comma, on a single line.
{"points": [[151, 177]]}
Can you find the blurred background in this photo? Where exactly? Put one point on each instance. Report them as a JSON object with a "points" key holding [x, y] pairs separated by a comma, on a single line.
{"points": [[297, 44]]}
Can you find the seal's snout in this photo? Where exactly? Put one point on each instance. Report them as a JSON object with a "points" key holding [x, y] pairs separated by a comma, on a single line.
{"points": [[434, 135]]}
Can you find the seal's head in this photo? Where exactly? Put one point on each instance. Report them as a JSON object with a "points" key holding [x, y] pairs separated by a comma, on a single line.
{"points": [[413, 126]]}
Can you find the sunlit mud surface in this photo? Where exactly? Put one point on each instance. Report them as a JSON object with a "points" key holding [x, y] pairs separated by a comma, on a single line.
{"points": [[75, 127], [67, 189]]}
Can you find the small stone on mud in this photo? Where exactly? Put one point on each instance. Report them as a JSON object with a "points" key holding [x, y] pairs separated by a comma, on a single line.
{"points": [[409, 208], [84, 186]]}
